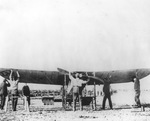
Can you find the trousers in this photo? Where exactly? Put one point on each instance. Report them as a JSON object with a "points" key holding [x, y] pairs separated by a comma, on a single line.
{"points": [[77, 95], [14, 100], [107, 96], [3, 98]]}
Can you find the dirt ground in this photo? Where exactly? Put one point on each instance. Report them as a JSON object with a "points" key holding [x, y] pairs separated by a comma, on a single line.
{"points": [[40, 112]]}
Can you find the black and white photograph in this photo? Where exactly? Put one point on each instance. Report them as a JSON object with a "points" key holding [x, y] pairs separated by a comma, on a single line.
{"points": [[74, 60]]}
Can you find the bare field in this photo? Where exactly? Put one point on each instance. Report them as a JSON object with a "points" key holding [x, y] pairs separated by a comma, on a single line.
{"points": [[122, 104]]}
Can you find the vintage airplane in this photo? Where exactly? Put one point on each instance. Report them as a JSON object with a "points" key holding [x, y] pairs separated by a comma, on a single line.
{"points": [[60, 77], [43, 77], [118, 76]]}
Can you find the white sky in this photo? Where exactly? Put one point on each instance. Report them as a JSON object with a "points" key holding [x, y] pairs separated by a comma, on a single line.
{"points": [[75, 34]]}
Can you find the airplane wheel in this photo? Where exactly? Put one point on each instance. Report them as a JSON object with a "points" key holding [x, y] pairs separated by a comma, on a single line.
{"points": [[51, 102], [47, 101], [44, 101]]}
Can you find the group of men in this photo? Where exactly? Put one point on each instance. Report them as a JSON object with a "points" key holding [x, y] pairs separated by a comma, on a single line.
{"points": [[77, 84], [12, 82]]}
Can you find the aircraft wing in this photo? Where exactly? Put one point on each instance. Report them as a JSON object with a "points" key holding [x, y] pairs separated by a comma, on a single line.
{"points": [[116, 76], [57, 78], [42, 77], [122, 76], [34, 76]]}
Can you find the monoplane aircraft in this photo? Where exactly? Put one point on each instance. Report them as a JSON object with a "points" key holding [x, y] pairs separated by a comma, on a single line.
{"points": [[60, 77]]}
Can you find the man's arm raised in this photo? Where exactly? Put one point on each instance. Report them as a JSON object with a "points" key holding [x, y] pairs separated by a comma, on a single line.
{"points": [[10, 76], [18, 76]]}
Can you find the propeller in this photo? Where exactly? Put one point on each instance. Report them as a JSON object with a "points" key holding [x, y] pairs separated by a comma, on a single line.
{"points": [[63, 71], [96, 79]]}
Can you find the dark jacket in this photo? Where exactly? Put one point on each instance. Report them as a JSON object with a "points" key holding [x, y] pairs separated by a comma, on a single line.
{"points": [[3, 88], [26, 90], [106, 89]]}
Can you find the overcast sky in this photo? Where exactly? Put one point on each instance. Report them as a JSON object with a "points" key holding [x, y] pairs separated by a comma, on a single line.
{"points": [[75, 34]]}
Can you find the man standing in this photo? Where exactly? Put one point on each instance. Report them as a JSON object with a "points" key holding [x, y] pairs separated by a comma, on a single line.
{"points": [[14, 79], [26, 96], [76, 84], [107, 95], [4, 92], [137, 91]]}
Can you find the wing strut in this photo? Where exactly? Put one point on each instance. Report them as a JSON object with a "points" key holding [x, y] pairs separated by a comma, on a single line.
{"points": [[64, 95], [94, 94]]}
